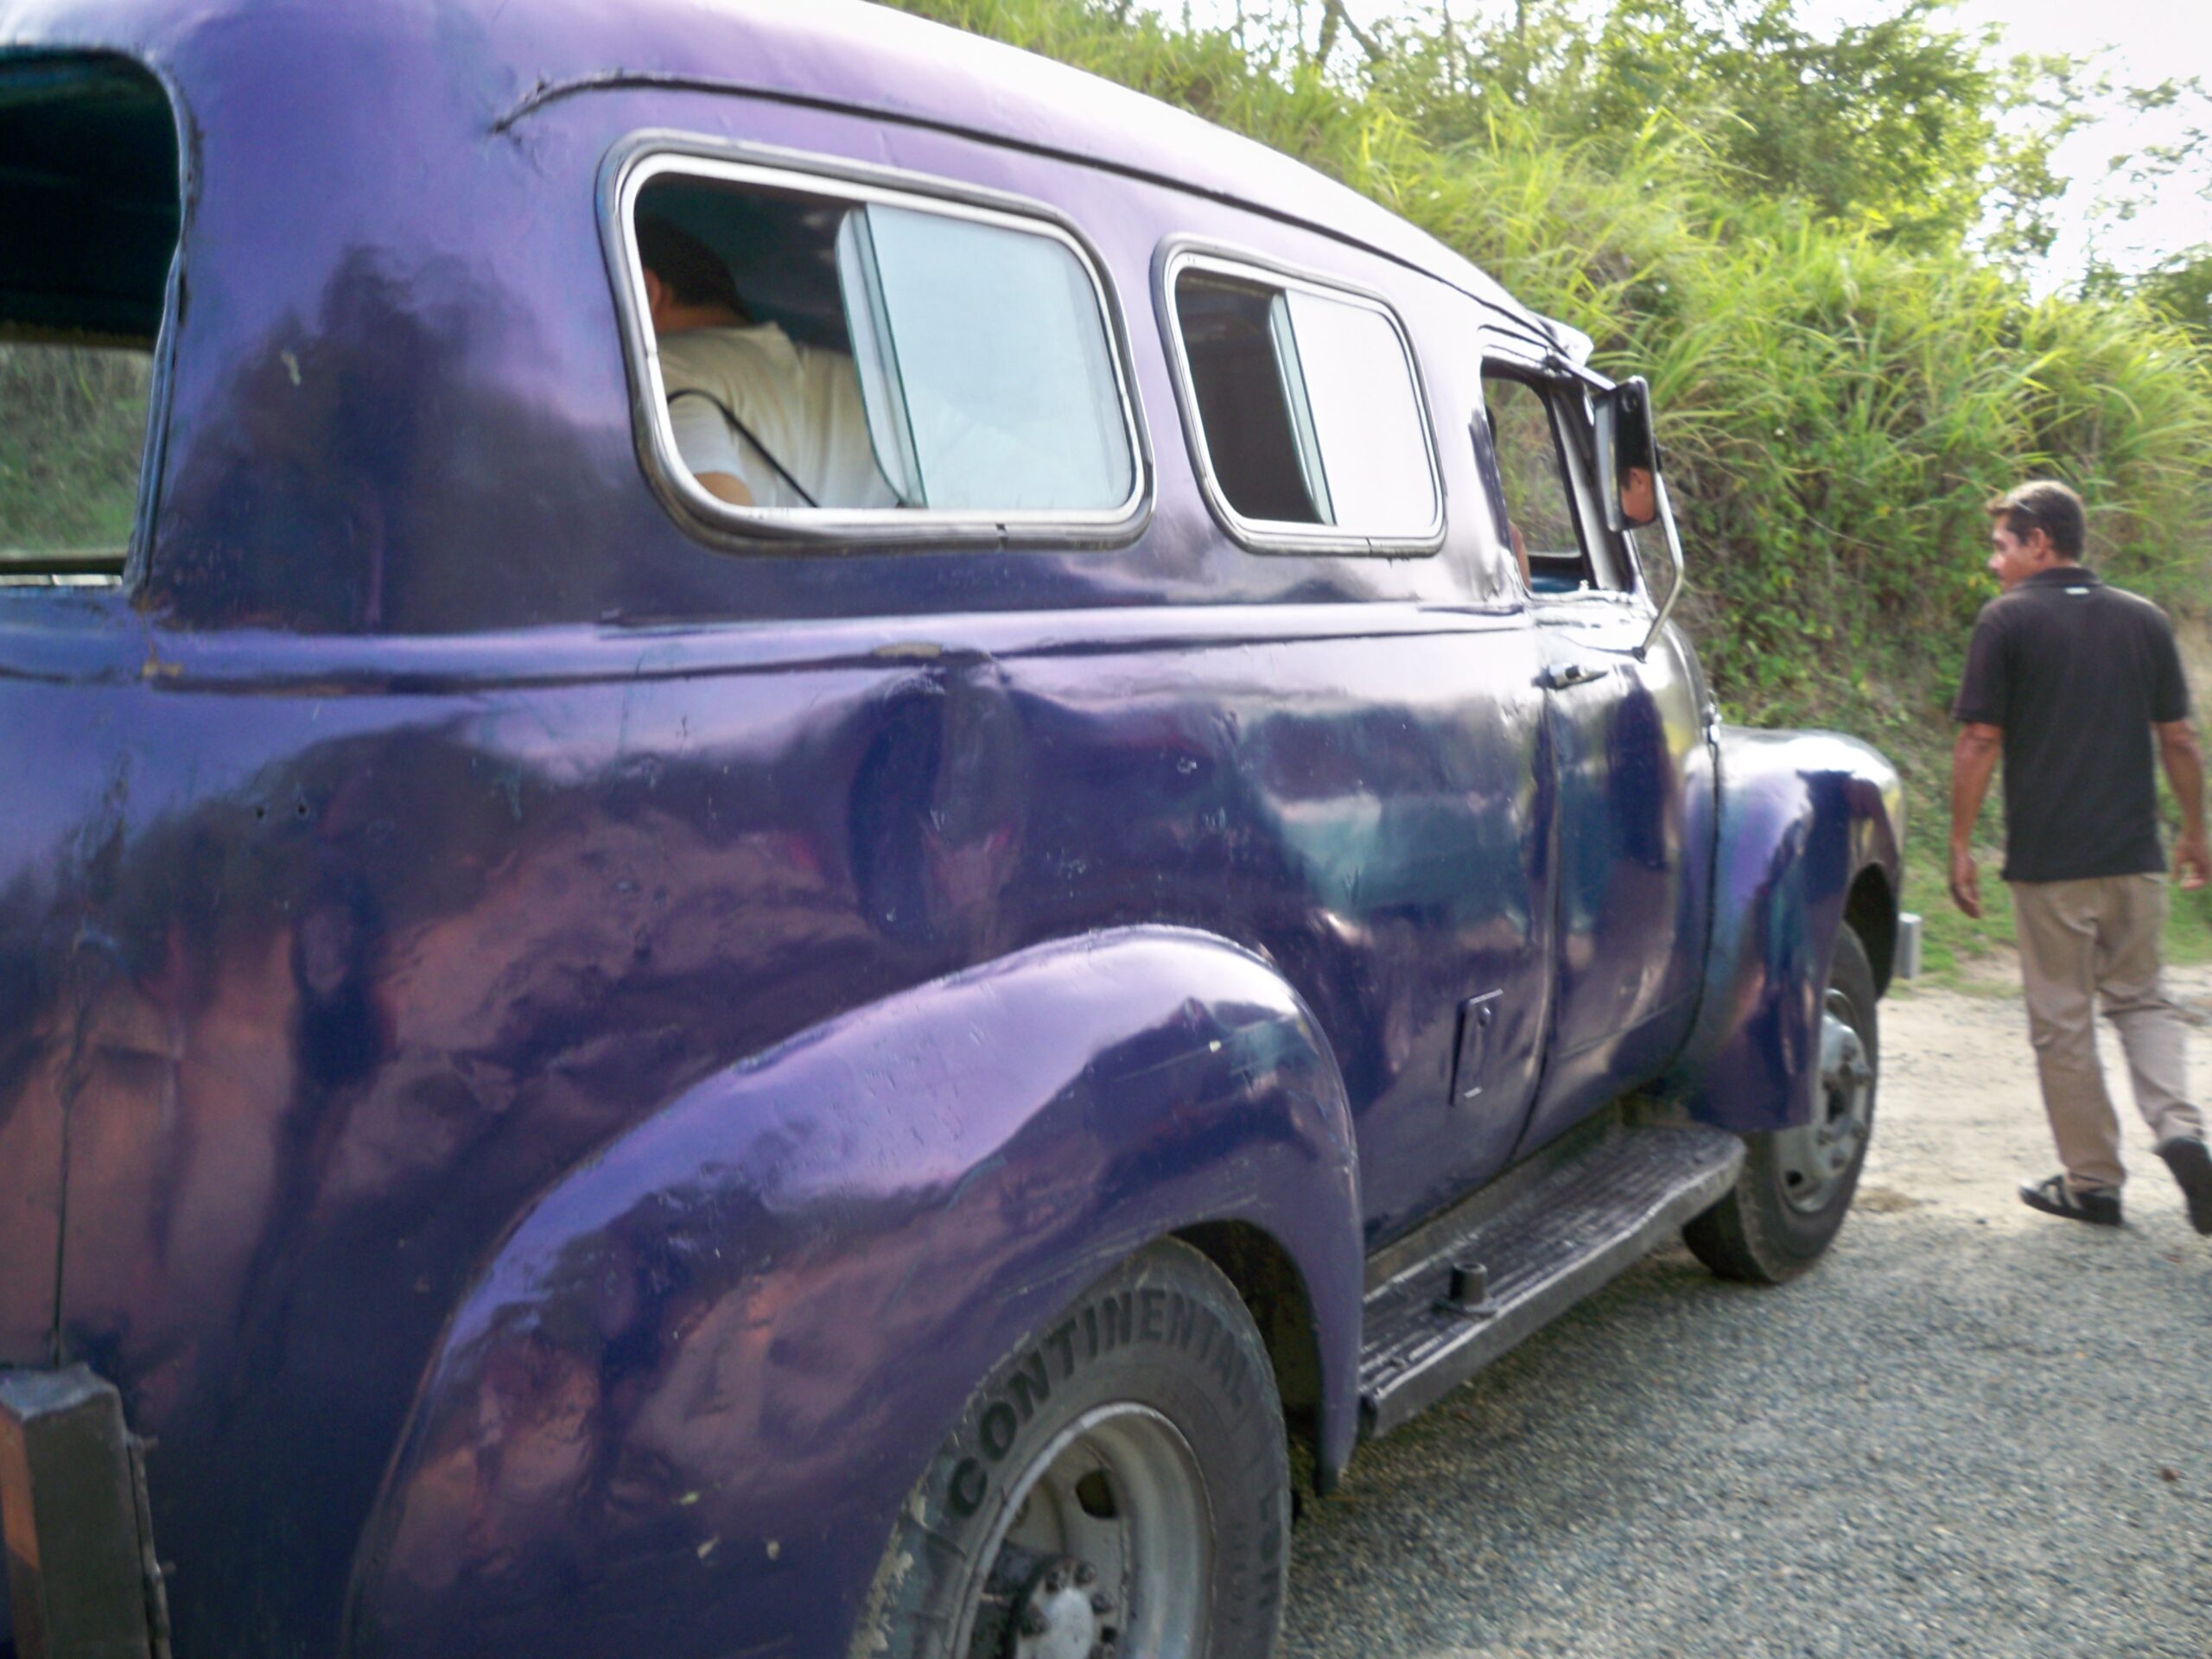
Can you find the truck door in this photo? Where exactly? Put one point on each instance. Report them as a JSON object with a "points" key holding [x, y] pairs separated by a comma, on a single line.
{"points": [[1626, 732]]}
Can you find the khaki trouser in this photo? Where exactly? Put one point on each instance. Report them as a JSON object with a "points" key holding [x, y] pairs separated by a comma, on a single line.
{"points": [[2099, 938]]}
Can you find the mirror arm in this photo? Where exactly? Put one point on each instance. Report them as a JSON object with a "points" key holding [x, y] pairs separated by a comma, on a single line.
{"points": [[1681, 571]]}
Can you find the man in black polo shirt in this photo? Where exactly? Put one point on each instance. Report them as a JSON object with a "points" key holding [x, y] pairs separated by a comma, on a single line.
{"points": [[2075, 683]]}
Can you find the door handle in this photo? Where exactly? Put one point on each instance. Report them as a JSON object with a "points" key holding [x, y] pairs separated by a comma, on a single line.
{"points": [[1557, 677]]}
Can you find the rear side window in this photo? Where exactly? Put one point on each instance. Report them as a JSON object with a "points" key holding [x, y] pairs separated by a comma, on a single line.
{"points": [[1306, 415], [823, 357], [89, 195]]}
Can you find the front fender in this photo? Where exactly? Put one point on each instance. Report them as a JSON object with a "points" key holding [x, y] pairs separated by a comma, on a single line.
{"points": [[1802, 817], [678, 1411]]}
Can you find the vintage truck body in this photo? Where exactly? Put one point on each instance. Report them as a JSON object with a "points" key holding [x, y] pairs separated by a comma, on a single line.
{"points": [[549, 1044]]}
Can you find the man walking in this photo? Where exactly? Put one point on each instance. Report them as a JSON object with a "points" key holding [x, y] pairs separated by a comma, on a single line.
{"points": [[2075, 683]]}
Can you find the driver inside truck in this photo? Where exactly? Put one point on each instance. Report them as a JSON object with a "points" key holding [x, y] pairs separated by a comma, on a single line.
{"points": [[760, 419], [1638, 487]]}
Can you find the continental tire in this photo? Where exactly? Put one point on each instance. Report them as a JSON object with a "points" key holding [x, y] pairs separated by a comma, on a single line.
{"points": [[1797, 1184], [1118, 1486]]}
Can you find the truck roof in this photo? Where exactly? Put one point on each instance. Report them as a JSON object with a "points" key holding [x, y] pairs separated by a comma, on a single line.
{"points": [[839, 53]]}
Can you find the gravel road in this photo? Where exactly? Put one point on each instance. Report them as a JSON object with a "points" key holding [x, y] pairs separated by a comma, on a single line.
{"points": [[1971, 1430]]}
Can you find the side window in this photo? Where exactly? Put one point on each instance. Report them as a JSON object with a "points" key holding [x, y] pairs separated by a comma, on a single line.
{"points": [[1305, 412], [823, 354], [1541, 470], [88, 191]]}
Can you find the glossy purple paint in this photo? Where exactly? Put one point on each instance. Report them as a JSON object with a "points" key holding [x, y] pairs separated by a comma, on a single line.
{"points": [[765, 1312], [552, 1017], [1810, 830]]}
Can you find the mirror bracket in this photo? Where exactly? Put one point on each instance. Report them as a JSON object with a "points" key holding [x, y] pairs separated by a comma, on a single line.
{"points": [[1675, 552]]}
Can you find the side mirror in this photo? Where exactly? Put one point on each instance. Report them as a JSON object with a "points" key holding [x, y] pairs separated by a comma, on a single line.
{"points": [[1628, 458], [1628, 455]]}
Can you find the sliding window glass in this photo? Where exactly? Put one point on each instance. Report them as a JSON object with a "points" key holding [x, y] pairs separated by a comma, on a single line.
{"points": [[1307, 416], [832, 357]]}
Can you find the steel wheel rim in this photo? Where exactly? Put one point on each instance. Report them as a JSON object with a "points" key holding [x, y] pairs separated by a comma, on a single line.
{"points": [[1117, 1492], [1814, 1161]]}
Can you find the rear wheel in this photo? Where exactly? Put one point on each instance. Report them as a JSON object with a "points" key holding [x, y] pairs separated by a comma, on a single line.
{"points": [[1117, 1489], [1797, 1184]]}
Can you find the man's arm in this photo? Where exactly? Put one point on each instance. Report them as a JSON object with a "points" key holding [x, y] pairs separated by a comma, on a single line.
{"points": [[725, 488], [2185, 772], [703, 444], [1973, 761]]}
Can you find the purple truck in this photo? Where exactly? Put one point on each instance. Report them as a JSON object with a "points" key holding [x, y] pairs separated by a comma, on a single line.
{"points": [[816, 840]]}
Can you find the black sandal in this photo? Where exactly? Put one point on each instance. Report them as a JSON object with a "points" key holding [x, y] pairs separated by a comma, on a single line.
{"points": [[2054, 1198]]}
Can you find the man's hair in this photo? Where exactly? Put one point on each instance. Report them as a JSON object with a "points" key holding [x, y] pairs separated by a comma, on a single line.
{"points": [[2049, 507], [688, 265]]}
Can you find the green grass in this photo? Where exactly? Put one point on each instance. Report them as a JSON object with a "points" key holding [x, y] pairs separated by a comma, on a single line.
{"points": [[1952, 943]]}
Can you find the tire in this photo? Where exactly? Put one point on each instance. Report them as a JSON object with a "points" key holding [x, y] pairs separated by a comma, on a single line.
{"points": [[1796, 1185], [1118, 1486]]}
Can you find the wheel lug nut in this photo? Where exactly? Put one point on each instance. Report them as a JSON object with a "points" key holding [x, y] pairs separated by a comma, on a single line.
{"points": [[1101, 1602], [1055, 1582], [1033, 1622], [1086, 1575]]}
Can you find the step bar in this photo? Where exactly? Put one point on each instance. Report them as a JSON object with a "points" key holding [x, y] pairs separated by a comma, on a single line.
{"points": [[1471, 1286]]}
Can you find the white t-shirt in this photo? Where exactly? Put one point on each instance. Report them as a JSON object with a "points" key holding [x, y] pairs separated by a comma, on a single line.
{"points": [[801, 402]]}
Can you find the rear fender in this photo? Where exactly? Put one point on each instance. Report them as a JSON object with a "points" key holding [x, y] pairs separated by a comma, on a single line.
{"points": [[680, 1409], [1802, 817]]}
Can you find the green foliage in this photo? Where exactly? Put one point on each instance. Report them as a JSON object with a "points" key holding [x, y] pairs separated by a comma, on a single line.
{"points": [[1805, 238], [1780, 227], [72, 423], [2179, 288], [1899, 127]]}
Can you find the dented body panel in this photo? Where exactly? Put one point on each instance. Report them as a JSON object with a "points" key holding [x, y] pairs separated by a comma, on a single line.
{"points": [[546, 1058], [771, 1305], [385, 949]]}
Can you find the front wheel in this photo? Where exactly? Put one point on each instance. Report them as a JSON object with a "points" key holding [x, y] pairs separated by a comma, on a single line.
{"points": [[1796, 1185], [1117, 1489]]}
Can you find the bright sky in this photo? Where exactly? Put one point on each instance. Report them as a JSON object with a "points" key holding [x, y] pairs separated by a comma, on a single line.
{"points": [[2150, 40]]}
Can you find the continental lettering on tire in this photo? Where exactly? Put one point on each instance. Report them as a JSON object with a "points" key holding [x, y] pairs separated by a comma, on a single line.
{"points": [[1147, 1315]]}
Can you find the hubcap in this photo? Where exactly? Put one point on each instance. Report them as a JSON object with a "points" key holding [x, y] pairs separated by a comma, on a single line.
{"points": [[1064, 1614], [1105, 1550], [1814, 1160]]}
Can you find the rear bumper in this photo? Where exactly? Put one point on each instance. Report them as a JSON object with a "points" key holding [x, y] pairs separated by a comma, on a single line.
{"points": [[82, 1583]]}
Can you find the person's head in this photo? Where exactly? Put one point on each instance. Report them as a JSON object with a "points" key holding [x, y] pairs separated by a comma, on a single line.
{"points": [[686, 285], [2038, 526], [1639, 494]]}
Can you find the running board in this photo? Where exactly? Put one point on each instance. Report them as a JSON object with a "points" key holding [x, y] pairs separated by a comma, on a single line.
{"points": [[1466, 1301]]}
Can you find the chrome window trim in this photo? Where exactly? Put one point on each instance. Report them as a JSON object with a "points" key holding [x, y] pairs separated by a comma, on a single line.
{"points": [[1182, 253], [645, 156]]}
